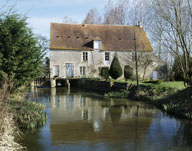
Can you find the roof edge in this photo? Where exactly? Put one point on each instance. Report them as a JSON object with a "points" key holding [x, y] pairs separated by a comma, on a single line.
{"points": [[96, 25]]}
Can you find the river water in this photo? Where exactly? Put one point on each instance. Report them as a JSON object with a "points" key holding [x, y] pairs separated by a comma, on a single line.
{"points": [[85, 121]]}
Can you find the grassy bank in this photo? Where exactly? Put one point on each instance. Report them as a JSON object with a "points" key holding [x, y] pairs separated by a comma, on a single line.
{"points": [[170, 84], [28, 115], [179, 104], [168, 96]]}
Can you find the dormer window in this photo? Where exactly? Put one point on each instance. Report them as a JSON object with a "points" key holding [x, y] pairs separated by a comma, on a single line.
{"points": [[97, 44]]}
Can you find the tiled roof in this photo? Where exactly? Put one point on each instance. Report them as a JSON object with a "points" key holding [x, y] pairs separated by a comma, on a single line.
{"points": [[113, 38]]}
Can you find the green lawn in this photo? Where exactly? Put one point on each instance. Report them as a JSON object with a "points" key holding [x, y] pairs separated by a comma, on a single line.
{"points": [[171, 84]]}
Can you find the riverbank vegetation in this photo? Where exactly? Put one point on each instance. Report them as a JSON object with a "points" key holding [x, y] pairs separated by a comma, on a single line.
{"points": [[8, 130], [21, 61], [171, 97], [28, 115], [17, 115]]}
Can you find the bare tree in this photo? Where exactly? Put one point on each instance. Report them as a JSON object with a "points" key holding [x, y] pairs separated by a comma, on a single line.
{"points": [[129, 12], [6, 7], [177, 38], [116, 14], [144, 61], [93, 17], [43, 43], [69, 20]]}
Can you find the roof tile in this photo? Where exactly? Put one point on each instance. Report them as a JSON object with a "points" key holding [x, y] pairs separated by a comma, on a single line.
{"points": [[113, 38]]}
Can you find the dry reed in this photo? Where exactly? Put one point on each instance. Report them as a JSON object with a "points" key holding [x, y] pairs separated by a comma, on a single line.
{"points": [[7, 127]]}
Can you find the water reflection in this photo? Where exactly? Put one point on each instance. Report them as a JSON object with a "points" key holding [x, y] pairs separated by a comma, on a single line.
{"points": [[85, 121], [184, 134], [115, 114], [77, 117]]}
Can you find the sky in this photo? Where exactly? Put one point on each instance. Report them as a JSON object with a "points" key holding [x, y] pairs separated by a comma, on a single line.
{"points": [[41, 13]]}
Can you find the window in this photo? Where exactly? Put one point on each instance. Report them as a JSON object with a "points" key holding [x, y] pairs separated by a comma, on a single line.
{"points": [[133, 56], [56, 71], [85, 56], [106, 56], [82, 70], [97, 44]]}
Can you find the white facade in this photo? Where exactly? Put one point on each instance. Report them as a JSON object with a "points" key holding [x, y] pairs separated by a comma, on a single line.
{"points": [[77, 63], [73, 63]]}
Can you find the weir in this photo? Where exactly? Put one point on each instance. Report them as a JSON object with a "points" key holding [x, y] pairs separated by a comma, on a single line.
{"points": [[61, 82]]}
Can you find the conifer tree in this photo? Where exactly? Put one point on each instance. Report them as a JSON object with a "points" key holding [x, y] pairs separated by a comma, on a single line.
{"points": [[21, 58], [128, 72], [115, 70]]}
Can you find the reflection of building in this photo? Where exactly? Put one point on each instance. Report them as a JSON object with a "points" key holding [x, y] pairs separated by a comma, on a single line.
{"points": [[76, 107], [80, 118]]}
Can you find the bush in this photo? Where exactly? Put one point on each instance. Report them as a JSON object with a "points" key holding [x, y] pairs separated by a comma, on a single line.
{"points": [[177, 71], [115, 70], [128, 72], [117, 94], [105, 72]]}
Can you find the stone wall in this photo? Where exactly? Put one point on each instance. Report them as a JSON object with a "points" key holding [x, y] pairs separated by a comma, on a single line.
{"points": [[96, 59], [102, 86]]}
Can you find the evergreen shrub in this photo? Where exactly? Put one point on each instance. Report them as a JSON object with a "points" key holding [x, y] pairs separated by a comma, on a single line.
{"points": [[115, 70], [105, 72], [128, 72]]}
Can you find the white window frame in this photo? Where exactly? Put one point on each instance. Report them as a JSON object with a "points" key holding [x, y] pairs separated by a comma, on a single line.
{"points": [[85, 56], [97, 44], [54, 71], [82, 70]]}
